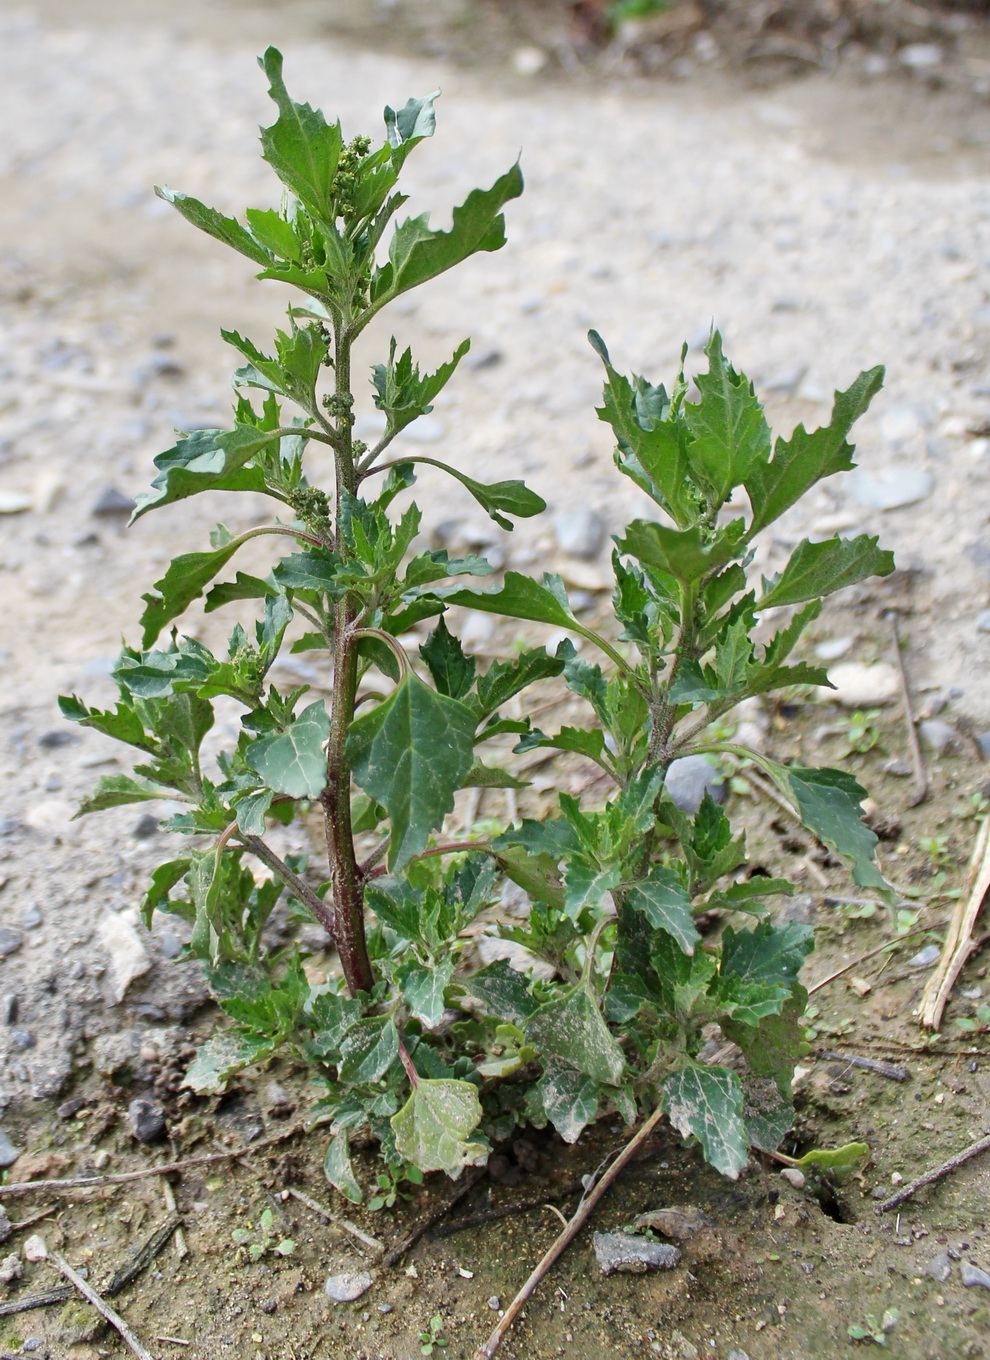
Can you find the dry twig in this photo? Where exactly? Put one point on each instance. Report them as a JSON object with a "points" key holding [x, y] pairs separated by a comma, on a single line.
{"points": [[920, 790], [584, 1211], [848, 967], [959, 942], [345, 1223], [101, 1306], [181, 1249], [930, 1177], [883, 1069]]}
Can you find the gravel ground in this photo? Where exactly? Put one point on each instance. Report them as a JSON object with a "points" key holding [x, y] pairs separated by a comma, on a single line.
{"points": [[823, 226]]}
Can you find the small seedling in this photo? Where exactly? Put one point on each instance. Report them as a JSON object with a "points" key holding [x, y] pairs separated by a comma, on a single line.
{"points": [[389, 1187], [433, 1058], [859, 733], [432, 1340], [936, 848], [872, 1330], [253, 1243]]}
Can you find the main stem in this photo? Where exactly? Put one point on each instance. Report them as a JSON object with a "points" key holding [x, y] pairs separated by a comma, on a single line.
{"points": [[345, 875]]}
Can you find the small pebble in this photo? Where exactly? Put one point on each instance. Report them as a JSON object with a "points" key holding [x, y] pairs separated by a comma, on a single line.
{"points": [[51, 741], [10, 1268], [169, 944], [690, 778], [34, 1248], [22, 1039], [528, 61], [632, 1255], [793, 1176], [8, 1153], [494, 1303], [983, 622], [145, 827], [384, 1308], [347, 1288], [112, 502], [580, 533], [832, 648], [937, 735], [10, 1004], [10, 941], [925, 957], [737, 1355], [268, 1305], [939, 1267], [101, 1159], [68, 1108], [13, 502], [33, 1343], [890, 490], [920, 56], [31, 918], [970, 1275], [147, 1121], [860, 686]]}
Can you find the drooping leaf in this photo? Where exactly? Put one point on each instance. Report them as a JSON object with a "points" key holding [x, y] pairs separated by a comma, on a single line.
{"points": [[706, 1103], [294, 761], [122, 723], [415, 120], [433, 1127], [338, 1169], [163, 880], [520, 598], [817, 569], [115, 790], [662, 899], [502, 991], [497, 498], [537, 874], [730, 431], [411, 754], [206, 460], [301, 147], [570, 1099], [181, 584], [805, 458], [571, 1028], [221, 228]]}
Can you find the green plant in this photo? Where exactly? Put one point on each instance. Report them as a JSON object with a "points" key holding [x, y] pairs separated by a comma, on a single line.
{"points": [[874, 1331], [859, 733], [430, 1340], [618, 10], [389, 1186], [437, 1061], [253, 1243], [938, 851]]}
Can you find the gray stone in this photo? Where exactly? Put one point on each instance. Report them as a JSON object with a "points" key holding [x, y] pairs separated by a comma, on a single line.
{"points": [[169, 944], [787, 381], [970, 1275], [890, 490], [580, 533], [30, 918], [147, 1121], [984, 743], [939, 1267], [830, 649], [937, 735], [632, 1255], [22, 1039], [925, 957], [494, 1303], [51, 741], [737, 1355], [10, 941], [5, 1226], [145, 827], [983, 621], [111, 502], [690, 778], [794, 1177], [10, 1268], [920, 56], [347, 1288], [33, 1343], [10, 1004], [680, 1221]]}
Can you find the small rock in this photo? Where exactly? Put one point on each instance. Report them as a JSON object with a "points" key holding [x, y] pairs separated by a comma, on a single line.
{"points": [[36, 1166], [925, 957], [632, 1255], [385, 1308], [112, 502], [145, 827], [890, 490], [10, 1004], [33, 1343], [528, 61], [128, 957], [793, 1176], [102, 1159], [347, 1288], [737, 1355], [900, 769], [51, 741], [860, 986], [983, 741], [147, 1121], [690, 778], [832, 648], [580, 533], [590, 576], [170, 944], [937, 735], [30, 918], [22, 1039], [983, 622], [8, 1153], [683, 1348], [68, 1108], [268, 1306], [970, 1275], [800, 908], [920, 56], [34, 1248], [10, 1268], [10, 941], [857, 685], [494, 1303], [477, 630], [787, 381], [680, 1221], [5, 1226], [13, 502], [939, 1267]]}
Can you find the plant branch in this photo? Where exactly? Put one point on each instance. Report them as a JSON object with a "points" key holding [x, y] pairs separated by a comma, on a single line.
{"points": [[584, 1211], [292, 881], [389, 641], [930, 1177]]}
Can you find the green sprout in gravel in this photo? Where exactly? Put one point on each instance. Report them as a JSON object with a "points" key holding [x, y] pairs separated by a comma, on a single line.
{"points": [[432, 1340], [437, 1059], [253, 1243]]}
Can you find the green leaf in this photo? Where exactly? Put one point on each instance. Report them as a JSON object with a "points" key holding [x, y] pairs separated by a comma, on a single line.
{"points": [[414, 121], [411, 754], [482, 776], [221, 228], [569, 1098], [368, 1050], [817, 569], [520, 598], [768, 953], [433, 1127], [685, 554], [206, 460], [338, 1169], [114, 790], [498, 498], [504, 679], [849, 1157], [582, 741], [417, 253], [768, 1111], [403, 392], [502, 991], [294, 761], [730, 431], [181, 584], [453, 673], [706, 1103], [799, 462], [313, 569], [829, 805], [223, 1055], [242, 587], [163, 880], [300, 147], [586, 884], [662, 899], [537, 874], [775, 1043], [571, 1028], [423, 989], [252, 810], [123, 723]]}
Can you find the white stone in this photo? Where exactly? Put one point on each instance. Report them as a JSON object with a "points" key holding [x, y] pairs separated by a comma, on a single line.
{"points": [[13, 502], [793, 1176], [920, 56], [832, 648], [490, 949], [347, 1288], [34, 1248], [860, 686], [128, 957], [528, 61], [890, 490]]}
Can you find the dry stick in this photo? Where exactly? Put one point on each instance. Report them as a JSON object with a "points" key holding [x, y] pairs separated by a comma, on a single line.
{"points": [[122, 1177], [959, 942], [891, 944], [396, 1253], [181, 1249], [576, 1223], [143, 1257], [29, 1301], [345, 1223], [920, 791], [115, 1320], [893, 1071], [929, 1178]]}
